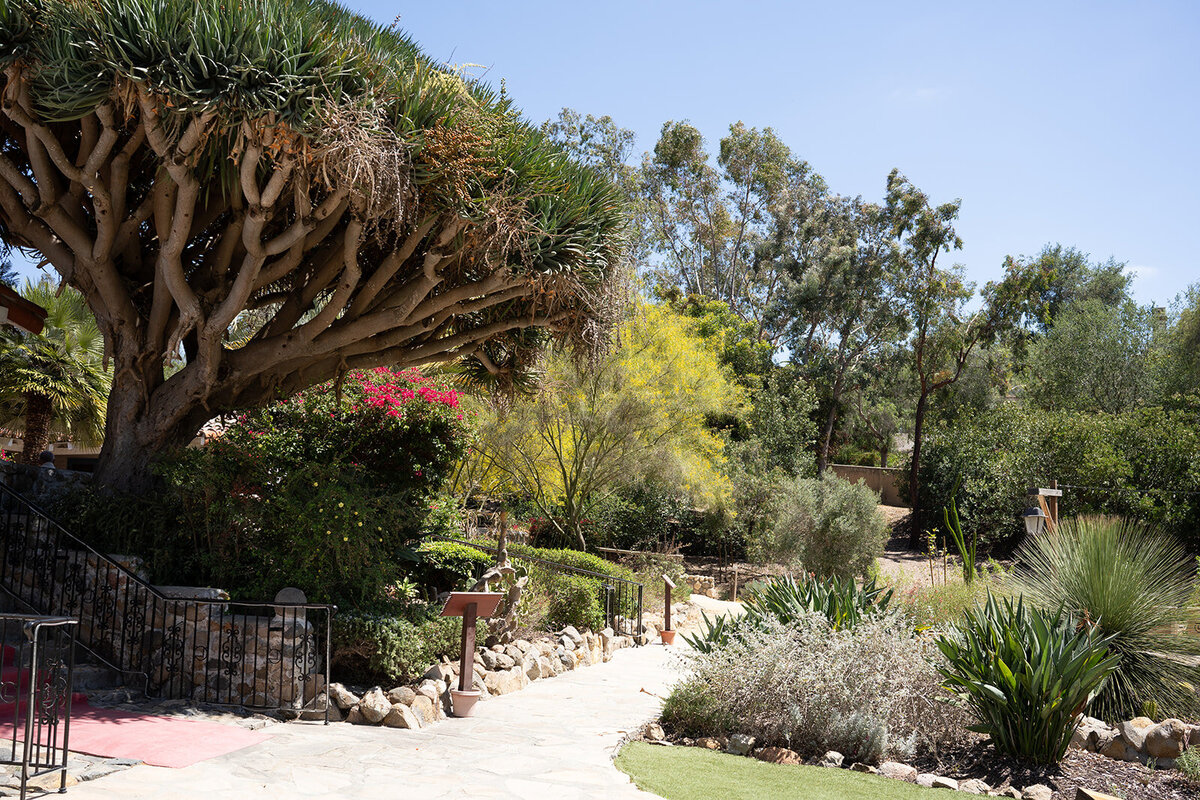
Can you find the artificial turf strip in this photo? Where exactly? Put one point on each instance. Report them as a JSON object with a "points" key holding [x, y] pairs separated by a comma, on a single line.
{"points": [[693, 773]]}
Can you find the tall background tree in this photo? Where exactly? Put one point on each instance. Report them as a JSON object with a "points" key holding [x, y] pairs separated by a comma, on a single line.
{"points": [[181, 164], [54, 381]]}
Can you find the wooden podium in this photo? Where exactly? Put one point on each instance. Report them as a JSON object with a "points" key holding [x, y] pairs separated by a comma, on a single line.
{"points": [[470, 606]]}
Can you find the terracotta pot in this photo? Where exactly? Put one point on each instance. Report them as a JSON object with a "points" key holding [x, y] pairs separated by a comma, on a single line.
{"points": [[463, 703], [668, 637]]}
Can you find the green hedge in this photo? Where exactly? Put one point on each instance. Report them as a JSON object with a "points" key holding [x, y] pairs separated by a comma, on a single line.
{"points": [[998, 455], [446, 566], [389, 650]]}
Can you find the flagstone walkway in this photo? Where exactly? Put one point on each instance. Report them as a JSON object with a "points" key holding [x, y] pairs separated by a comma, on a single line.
{"points": [[554, 739]]}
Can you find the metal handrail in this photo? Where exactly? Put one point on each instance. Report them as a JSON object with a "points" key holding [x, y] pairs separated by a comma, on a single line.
{"points": [[154, 605]]}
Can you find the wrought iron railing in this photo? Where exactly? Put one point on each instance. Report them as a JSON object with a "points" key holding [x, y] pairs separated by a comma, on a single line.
{"points": [[35, 693], [258, 655], [620, 598]]}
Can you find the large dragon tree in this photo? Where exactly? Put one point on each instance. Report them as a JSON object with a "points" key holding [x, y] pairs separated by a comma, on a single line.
{"points": [[272, 192]]}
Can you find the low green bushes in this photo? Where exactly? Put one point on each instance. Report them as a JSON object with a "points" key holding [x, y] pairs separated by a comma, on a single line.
{"points": [[1026, 675], [827, 525], [1145, 461], [446, 566], [390, 650]]}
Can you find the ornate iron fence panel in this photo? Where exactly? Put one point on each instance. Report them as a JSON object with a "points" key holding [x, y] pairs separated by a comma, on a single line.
{"points": [[269, 655], [38, 656]]}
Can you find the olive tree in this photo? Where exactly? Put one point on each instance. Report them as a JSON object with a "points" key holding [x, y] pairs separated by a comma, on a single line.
{"points": [[295, 169]]}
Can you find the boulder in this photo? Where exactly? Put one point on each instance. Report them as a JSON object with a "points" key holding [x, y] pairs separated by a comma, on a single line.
{"points": [[779, 755], [1134, 731], [1114, 749], [505, 681], [374, 706], [401, 716], [859, 766], [832, 758], [654, 732], [1010, 791], [514, 652], [548, 667], [424, 709], [740, 744], [401, 694], [570, 632], [1166, 739], [532, 668], [343, 697], [355, 717], [317, 713], [432, 689], [926, 779], [974, 786], [494, 661], [898, 771], [440, 672], [942, 782], [1038, 791], [708, 743]]}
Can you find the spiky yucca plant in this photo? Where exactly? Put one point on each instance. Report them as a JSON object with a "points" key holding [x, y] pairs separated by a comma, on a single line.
{"points": [[185, 162], [1133, 583]]}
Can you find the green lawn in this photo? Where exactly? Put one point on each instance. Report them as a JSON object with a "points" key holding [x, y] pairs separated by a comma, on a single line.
{"points": [[693, 773]]}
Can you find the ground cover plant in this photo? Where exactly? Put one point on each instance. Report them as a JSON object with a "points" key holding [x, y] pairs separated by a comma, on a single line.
{"points": [[1133, 583], [869, 691], [1026, 674]]}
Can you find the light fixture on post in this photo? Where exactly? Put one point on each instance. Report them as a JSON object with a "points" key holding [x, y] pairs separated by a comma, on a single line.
{"points": [[1035, 520], [1042, 514]]}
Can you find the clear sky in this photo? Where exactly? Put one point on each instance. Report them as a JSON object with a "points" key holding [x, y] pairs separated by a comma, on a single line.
{"points": [[1072, 122]]}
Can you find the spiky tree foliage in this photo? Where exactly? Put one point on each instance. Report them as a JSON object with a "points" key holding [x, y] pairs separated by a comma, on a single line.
{"points": [[182, 162], [55, 381], [1133, 583]]}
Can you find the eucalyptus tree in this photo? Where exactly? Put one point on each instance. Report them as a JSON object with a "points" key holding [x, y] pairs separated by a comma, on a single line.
{"points": [[936, 299], [708, 223], [183, 162], [838, 306]]}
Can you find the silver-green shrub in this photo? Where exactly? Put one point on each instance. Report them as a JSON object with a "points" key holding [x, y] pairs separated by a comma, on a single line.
{"points": [[868, 692], [829, 526]]}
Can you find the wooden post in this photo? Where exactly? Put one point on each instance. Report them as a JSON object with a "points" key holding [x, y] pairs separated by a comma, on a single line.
{"points": [[668, 585], [466, 667], [1052, 501], [735, 582]]}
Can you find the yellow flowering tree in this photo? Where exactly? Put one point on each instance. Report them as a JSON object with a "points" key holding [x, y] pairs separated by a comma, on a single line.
{"points": [[638, 414]]}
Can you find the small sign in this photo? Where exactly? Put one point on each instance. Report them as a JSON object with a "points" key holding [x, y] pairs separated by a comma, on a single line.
{"points": [[485, 603]]}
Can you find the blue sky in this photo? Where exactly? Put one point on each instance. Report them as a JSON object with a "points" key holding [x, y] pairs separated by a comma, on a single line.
{"points": [[1075, 122]]}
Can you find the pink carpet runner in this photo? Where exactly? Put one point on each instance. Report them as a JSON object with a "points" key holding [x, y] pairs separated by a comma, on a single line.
{"points": [[158, 741]]}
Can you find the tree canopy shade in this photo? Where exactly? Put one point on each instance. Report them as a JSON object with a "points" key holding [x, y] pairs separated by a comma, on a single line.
{"points": [[189, 164]]}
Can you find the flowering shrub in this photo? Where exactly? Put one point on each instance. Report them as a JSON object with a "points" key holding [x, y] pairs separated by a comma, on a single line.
{"points": [[323, 491]]}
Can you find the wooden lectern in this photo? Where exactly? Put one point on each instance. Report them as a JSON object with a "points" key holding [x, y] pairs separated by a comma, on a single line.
{"points": [[470, 606]]}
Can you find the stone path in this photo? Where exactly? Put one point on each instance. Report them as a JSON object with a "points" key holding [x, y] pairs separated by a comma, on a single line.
{"points": [[554, 739]]}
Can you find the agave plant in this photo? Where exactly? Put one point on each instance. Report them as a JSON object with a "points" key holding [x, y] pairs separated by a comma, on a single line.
{"points": [[1026, 674], [842, 601], [1132, 583]]}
